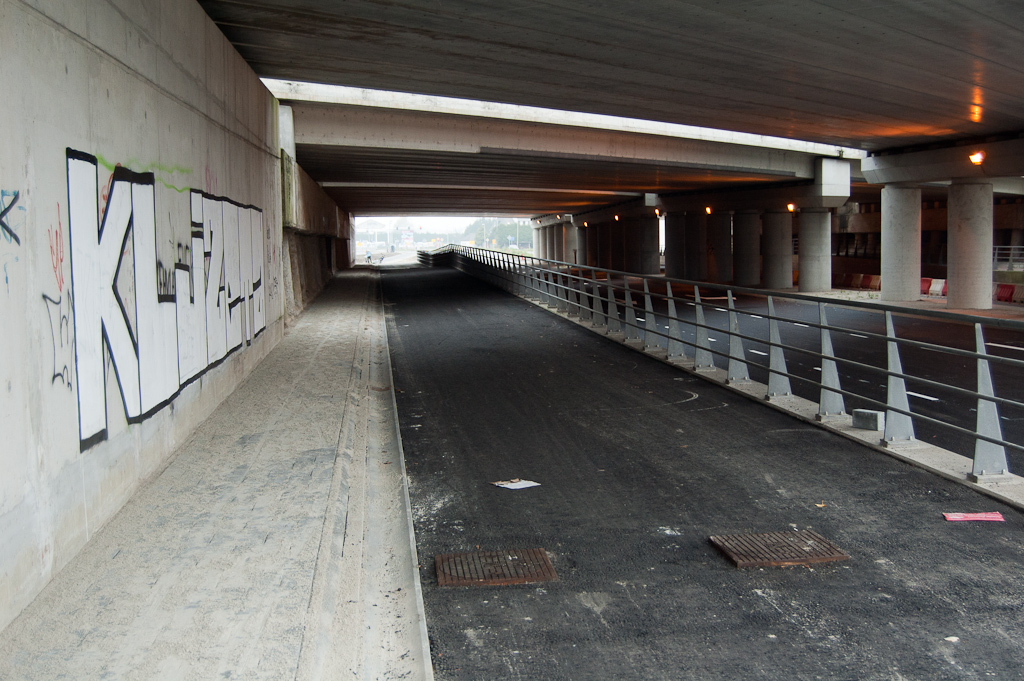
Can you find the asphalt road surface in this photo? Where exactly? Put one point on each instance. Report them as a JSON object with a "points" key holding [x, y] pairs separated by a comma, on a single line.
{"points": [[639, 463]]}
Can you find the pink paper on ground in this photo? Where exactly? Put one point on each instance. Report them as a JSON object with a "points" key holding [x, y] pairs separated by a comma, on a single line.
{"points": [[995, 516]]}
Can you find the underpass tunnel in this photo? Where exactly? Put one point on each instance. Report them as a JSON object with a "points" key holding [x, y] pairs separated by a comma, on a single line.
{"points": [[182, 284]]}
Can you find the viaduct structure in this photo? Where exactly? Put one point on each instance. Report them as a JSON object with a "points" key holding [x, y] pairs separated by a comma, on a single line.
{"points": [[175, 187]]}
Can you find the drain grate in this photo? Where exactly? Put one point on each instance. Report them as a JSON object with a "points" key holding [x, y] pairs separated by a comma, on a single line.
{"points": [[776, 549], [482, 568]]}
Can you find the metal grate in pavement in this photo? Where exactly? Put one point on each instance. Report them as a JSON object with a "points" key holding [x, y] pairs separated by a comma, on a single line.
{"points": [[482, 568], [776, 549]]}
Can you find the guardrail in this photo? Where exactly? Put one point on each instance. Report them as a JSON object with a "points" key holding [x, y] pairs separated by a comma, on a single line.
{"points": [[1011, 256], [647, 312]]}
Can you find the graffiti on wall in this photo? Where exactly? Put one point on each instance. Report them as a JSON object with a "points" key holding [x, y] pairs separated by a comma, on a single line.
{"points": [[161, 326], [12, 225], [59, 310]]}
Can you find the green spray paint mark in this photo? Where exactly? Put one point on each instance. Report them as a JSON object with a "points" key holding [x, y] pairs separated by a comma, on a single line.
{"points": [[155, 168]]}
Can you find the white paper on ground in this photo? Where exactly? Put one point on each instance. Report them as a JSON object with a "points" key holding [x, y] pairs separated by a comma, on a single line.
{"points": [[516, 483]]}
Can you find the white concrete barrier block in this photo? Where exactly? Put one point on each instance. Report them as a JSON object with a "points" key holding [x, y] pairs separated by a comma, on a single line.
{"points": [[867, 419]]}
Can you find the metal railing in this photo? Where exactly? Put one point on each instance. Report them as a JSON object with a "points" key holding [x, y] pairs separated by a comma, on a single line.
{"points": [[647, 312], [1010, 256]]}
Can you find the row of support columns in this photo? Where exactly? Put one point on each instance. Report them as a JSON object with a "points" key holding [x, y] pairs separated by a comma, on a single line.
{"points": [[969, 234], [720, 247]]}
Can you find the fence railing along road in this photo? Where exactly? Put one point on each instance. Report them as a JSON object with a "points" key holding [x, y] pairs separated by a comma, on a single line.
{"points": [[946, 379]]}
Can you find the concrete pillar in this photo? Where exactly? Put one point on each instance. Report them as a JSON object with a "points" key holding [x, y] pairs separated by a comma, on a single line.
{"points": [[640, 245], [816, 250], [778, 249], [746, 244], [630, 244], [675, 245], [570, 243], [648, 235], [538, 242], [720, 246], [558, 237], [616, 252], [549, 241], [582, 235], [969, 272], [607, 241], [594, 232], [901, 243], [697, 245]]}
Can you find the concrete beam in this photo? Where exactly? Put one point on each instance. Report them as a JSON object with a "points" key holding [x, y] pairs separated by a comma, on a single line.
{"points": [[1001, 159]]}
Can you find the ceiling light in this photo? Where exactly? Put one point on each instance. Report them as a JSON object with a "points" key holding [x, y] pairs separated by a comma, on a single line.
{"points": [[616, 217], [707, 209], [977, 158], [791, 207], [657, 212], [585, 224]]}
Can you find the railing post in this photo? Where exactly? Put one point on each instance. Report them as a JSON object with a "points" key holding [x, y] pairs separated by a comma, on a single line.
{"points": [[651, 340], [898, 427], [614, 324], [585, 299], [676, 347], [830, 402], [989, 458], [738, 372], [703, 360], [597, 315], [562, 293], [631, 330], [778, 378]]}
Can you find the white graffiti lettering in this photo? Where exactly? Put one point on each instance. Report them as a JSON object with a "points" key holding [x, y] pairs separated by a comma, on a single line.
{"points": [[157, 342]]}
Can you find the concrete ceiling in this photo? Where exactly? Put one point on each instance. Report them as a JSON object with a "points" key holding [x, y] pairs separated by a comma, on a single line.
{"points": [[874, 75]]}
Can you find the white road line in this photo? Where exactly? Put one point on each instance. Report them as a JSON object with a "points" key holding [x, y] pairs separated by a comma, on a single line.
{"points": [[924, 397], [1008, 347], [799, 324], [758, 352], [815, 368], [757, 316], [857, 335]]}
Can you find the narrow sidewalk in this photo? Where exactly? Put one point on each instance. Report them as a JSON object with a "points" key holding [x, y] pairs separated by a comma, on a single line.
{"points": [[275, 545]]}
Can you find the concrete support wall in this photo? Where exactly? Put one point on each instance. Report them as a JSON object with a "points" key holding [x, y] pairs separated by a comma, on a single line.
{"points": [[697, 246], [549, 243], [582, 245], [970, 245], [539, 242], [778, 250], [314, 226], [746, 244], [142, 118], [720, 245], [558, 238], [675, 245], [901, 243], [815, 250]]}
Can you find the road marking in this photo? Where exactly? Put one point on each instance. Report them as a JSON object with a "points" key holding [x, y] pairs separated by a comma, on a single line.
{"points": [[1008, 347], [799, 324], [857, 335], [815, 368], [924, 397], [758, 352], [757, 316]]}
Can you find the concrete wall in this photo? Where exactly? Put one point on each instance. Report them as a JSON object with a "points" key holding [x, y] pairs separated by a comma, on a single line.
{"points": [[317, 238], [140, 258]]}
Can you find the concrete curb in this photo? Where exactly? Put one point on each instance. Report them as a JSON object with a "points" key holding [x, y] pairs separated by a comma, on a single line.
{"points": [[413, 577]]}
